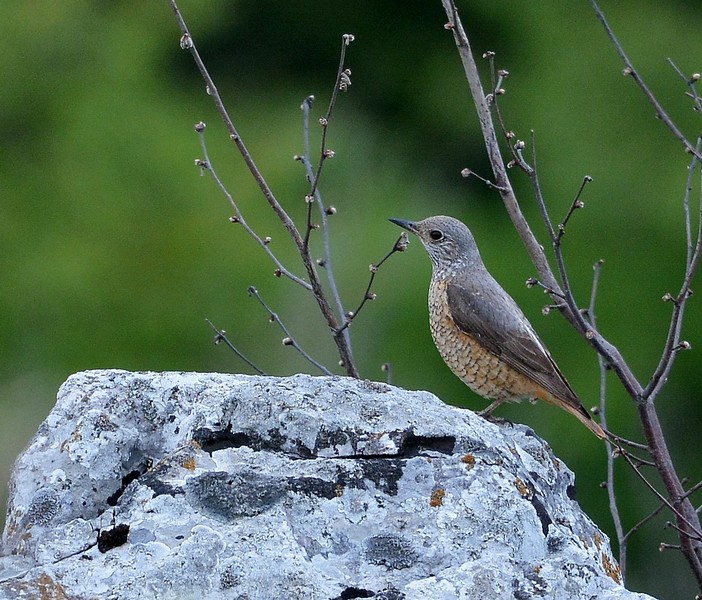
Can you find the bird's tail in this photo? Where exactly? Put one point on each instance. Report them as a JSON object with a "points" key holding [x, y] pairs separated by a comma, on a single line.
{"points": [[578, 411], [589, 422]]}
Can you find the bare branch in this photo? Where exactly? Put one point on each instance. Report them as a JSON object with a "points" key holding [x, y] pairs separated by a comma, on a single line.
{"points": [[187, 43], [672, 343], [324, 212], [693, 531], [686, 518], [685, 513], [663, 546], [470, 173], [220, 336], [577, 203], [340, 339], [690, 83], [655, 512], [693, 489], [634, 74], [499, 169], [206, 165], [400, 246], [533, 247], [576, 317], [624, 442], [602, 412], [342, 83], [532, 281], [683, 532], [288, 340]]}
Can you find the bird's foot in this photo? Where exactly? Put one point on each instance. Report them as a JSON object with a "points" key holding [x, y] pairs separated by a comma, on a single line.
{"points": [[486, 413], [492, 418]]}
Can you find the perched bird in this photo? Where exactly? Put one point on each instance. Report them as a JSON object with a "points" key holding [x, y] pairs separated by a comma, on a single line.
{"points": [[479, 330]]}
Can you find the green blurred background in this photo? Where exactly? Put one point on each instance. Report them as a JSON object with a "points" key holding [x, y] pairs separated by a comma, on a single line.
{"points": [[114, 251]]}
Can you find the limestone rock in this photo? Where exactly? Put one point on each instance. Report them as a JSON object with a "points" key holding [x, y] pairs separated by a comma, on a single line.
{"points": [[189, 485]]}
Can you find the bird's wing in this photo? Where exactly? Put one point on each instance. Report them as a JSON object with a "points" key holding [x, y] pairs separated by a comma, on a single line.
{"points": [[492, 317]]}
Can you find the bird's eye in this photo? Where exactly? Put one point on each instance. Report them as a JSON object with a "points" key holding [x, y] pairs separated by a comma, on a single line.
{"points": [[436, 235]]}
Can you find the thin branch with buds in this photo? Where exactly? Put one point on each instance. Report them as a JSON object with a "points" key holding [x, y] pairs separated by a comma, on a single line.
{"points": [[694, 253], [690, 83], [470, 173], [629, 70], [342, 83], [206, 166], [400, 246], [577, 203], [288, 340], [556, 234], [533, 247], [649, 517], [324, 212], [692, 530], [317, 290], [693, 489], [221, 336]]}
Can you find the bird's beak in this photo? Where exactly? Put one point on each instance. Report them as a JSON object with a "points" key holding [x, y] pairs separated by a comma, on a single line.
{"points": [[408, 225]]}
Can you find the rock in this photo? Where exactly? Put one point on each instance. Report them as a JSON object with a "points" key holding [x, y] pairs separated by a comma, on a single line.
{"points": [[189, 485]]}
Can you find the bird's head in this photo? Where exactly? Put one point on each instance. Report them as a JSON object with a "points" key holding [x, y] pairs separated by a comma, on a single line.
{"points": [[449, 243]]}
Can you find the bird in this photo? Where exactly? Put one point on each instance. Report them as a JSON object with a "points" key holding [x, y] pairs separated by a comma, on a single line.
{"points": [[480, 331]]}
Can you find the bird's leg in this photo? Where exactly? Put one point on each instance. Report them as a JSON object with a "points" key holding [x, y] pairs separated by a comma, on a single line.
{"points": [[486, 413]]}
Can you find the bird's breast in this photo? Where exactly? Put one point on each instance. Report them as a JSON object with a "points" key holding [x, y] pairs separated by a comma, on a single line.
{"points": [[479, 368]]}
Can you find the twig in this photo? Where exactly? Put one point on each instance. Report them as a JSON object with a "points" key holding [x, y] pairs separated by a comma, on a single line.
{"points": [[220, 336], [342, 82], [631, 71], [683, 532], [663, 546], [532, 281], [602, 412], [206, 165], [565, 291], [693, 489], [400, 246], [690, 82], [672, 343], [577, 203], [516, 148], [655, 512], [288, 340], [689, 534], [638, 461], [324, 212], [626, 442], [466, 172], [187, 43], [531, 171], [347, 362]]}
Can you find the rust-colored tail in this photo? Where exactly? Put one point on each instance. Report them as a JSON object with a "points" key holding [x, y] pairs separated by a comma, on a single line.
{"points": [[588, 421], [578, 411]]}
